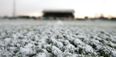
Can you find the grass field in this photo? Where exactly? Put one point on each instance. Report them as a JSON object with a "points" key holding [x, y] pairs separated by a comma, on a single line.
{"points": [[40, 38]]}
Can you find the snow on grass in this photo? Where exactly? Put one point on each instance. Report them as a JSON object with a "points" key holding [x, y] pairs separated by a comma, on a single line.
{"points": [[56, 39]]}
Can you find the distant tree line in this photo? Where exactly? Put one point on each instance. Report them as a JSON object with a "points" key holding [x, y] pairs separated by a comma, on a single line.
{"points": [[21, 17], [96, 18], [39, 17]]}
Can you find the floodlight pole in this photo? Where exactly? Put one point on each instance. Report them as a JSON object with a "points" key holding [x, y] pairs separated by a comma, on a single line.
{"points": [[14, 8]]}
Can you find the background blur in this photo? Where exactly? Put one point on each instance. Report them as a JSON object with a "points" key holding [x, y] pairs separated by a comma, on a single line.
{"points": [[90, 8]]}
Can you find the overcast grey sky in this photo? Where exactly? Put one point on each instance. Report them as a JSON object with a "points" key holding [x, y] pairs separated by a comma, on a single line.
{"points": [[82, 7]]}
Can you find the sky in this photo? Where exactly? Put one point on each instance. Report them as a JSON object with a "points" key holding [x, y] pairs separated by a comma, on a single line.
{"points": [[91, 8]]}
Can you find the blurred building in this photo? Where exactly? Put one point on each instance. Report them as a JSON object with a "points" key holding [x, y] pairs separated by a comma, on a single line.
{"points": [[113, 18], [58, 14]]}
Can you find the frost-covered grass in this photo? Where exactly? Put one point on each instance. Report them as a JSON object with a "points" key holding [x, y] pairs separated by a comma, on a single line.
{"points": [[57, 39]]}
